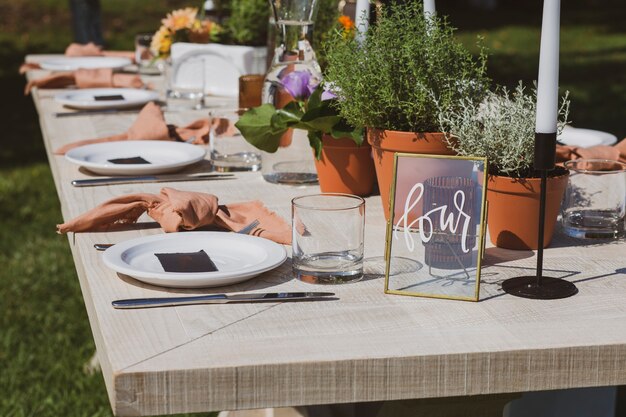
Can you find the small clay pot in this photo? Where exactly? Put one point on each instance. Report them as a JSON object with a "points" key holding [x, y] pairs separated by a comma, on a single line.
{"points": [[387, 142], [513, 216], [345, 167]]}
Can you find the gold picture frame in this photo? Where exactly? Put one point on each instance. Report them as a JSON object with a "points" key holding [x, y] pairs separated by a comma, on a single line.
{"points": [[438, 252]]}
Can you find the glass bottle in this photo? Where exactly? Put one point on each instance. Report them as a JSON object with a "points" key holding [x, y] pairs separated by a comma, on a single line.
{"points": [[293, 162]]}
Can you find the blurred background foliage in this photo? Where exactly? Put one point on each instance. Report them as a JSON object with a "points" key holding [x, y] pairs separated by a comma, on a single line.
{"points": [[45, 339]]}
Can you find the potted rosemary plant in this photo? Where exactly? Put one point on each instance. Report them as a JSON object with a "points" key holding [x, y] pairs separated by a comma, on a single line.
{"points": [[502, 129], [391, 81]]}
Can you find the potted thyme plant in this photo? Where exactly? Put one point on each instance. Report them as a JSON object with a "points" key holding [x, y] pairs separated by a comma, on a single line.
{"points": [[391, 81], [342, 159], [502, 129]]}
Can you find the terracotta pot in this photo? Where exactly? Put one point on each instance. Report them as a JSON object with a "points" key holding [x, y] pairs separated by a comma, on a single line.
{"points": [[513, 216], [345, 167], [387, 142]]}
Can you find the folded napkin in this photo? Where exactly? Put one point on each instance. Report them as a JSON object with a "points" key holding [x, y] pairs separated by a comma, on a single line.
{"points": [[178, 210], [77, 49], [86, 78], [615, 153], [91, 49], [151, 125]]}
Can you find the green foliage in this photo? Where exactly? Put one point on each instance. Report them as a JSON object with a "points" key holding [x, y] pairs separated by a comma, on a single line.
{"points": [[405, 65], [248, 22], [263, 126], [326, 22], [501, 128]]}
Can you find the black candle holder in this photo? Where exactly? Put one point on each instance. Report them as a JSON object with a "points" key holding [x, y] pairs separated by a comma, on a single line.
{"points": [[538, 286]]}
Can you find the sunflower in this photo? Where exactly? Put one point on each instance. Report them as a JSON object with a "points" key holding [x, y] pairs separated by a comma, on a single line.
{"points": [[161, 42], [180, 19]]}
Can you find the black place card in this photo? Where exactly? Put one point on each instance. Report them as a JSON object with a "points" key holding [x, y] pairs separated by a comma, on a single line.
{"points": [[112, 97], [129, 161], [186, 262]]}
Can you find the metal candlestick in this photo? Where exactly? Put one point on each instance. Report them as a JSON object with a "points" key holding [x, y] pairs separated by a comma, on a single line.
{"points": [[537, 286]]}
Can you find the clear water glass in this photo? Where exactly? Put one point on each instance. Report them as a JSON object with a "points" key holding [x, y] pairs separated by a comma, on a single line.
{"points": [[186, 83], [595, 201], [228, 149], [328, 231], [293, 31], [144, 57]]}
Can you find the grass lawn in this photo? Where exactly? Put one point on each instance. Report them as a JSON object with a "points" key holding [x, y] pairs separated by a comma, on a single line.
{"points": [[45, 338]]}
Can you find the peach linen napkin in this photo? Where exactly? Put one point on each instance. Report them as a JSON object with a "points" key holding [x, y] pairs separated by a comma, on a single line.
{"points": [[151, 125], [86, 78], [177, 210], [615, 153], [77, 49]]}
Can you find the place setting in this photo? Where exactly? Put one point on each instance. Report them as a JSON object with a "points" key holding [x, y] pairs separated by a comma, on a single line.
{"points": [[105, 98]]}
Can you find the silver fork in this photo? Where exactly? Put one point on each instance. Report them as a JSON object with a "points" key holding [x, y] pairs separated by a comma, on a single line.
{"points": [[246, 230]]}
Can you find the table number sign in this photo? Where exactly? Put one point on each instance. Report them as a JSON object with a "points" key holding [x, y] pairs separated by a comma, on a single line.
{"points": [[435, 234]]}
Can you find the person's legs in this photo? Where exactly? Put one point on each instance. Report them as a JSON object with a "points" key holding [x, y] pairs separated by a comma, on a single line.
{"points": [[86, 22]]}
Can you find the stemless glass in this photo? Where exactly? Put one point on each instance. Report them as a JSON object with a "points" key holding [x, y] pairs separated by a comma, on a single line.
{"points": [[327, 240], [144, 57], [228, 149], [595, 201]]}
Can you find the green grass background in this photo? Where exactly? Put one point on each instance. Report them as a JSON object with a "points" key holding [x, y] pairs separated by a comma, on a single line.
{"points": [[45, 339]]}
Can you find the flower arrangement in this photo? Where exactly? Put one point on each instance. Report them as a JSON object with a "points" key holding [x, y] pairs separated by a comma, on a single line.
{"points": [[501, 128], [314, 109], [183, 25]]}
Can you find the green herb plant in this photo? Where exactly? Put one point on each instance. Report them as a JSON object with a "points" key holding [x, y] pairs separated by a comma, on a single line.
{"points": [[248, 22], [500, 128], [405, 65]]}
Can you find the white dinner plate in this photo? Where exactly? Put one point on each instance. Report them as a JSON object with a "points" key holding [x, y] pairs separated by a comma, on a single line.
{"points": [[163, 156], [585, 137], [237, 258], [72, 63], [87, 98]]}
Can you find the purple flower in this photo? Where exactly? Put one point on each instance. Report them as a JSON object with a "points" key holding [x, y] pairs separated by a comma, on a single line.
{"points": [[298, 84], [328, 95]]}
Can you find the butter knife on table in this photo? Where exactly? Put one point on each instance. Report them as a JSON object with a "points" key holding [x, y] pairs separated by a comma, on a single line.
{"points": [[221, 299], [150, 178]]}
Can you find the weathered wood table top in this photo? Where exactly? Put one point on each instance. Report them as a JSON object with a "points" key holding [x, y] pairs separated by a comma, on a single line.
{"points": [[366, 346]]}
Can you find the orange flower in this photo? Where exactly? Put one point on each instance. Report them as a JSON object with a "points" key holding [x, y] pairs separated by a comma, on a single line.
{"points": [[346, 22]]}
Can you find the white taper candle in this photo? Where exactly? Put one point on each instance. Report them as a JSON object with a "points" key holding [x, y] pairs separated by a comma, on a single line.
{"points": [[429, 8], [548, 79], [362, 17]]}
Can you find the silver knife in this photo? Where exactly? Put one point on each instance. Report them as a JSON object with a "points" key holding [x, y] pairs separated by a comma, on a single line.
{"points": [[221, 299], [150, 178], [94, 112]]}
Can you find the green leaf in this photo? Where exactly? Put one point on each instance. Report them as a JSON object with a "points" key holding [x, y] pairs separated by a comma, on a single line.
{"points": [[315, 140], [284, 119], [256, 127], [294, 108], [315, 100], [343, 129], [321, 118]]}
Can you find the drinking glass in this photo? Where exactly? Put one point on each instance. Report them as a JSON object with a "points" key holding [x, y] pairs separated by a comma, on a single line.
{"points": [[143, 54], [595, 201], [186, 82], [228, 149], [292, 163], [328, 238]]}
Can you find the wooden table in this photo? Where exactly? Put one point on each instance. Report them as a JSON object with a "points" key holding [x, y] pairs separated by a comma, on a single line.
{"points": [[367, 346]]}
